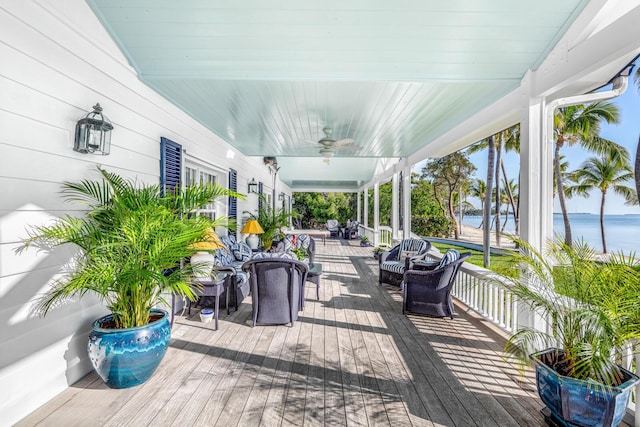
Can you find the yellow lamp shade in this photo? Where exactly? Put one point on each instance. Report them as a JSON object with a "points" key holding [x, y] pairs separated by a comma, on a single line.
{"points": [[210, 242], [252, 227]]}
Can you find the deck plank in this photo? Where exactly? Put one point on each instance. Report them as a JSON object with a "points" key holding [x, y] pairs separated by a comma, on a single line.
{"points": [[351, 359]]}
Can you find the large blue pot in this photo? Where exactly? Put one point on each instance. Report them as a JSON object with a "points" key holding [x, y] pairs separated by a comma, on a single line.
{"points": [[581, 402], [127, 357]]}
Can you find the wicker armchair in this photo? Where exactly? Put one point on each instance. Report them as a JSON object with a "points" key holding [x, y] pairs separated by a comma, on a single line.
{"points": [[276, 289], [427, 288], [334, 227], [394, 262]]}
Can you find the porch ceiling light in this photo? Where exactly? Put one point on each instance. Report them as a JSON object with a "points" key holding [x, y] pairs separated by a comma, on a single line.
{"points": [[93, 133]]}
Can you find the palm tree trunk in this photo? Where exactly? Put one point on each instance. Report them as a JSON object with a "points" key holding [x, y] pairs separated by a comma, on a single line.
{"points": [[498, 198], [486, 215], [560, 191], [510, 194], [637, 168], [456, 230], [604, 242]]}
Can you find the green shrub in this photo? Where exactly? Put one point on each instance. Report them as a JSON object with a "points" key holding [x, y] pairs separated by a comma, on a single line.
{"points": [[431, 225]]}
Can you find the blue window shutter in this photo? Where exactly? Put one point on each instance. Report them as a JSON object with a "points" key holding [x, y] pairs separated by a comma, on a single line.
{"points": [[260, 195], [170, 164], [233, 202]]}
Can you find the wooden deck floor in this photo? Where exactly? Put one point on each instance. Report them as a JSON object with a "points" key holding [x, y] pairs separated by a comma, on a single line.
{"points": [[351, 359]]}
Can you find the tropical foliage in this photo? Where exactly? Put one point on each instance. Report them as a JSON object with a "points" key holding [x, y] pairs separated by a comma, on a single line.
{"points": [[609, 173], [580, 125], [272, 220], [591, 307], [314, 209], [131, 242], [449, 174]]}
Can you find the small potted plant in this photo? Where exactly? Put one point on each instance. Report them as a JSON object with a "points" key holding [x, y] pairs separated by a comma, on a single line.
{"points": [[378, 250], [592, 310], [365, 241], [131, 245]]}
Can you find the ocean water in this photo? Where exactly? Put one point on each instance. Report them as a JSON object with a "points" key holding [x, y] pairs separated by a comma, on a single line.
{"points": [[621, 231]]}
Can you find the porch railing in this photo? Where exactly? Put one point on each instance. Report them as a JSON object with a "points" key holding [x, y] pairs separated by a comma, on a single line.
{"points": [[477, 288], [382, 237]]}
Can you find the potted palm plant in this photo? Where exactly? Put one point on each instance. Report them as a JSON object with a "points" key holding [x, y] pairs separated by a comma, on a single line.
{"points": [[272, 222], [591, 310], [131, 242]]}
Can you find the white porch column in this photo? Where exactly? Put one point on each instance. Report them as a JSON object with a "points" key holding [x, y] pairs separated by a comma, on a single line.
{"points": [[406, 203], [358, 207], [395, 214], [376, 213], [536, 169], [536, 186], [365, 214]]}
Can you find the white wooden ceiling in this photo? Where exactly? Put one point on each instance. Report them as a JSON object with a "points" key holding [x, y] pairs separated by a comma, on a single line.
{"points": [[268, 76]]}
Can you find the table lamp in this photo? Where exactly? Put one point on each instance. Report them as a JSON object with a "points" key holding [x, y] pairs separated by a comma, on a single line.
{"points": [[252, 227], [203, 260]]}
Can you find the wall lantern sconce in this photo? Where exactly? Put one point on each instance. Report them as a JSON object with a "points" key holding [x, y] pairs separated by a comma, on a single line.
{"points": [[293, 200], [281, 197], [252, 187], [93, 133]]}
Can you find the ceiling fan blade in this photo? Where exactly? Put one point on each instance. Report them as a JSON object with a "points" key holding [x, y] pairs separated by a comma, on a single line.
{"points": [[350, 147], [344, 141]]}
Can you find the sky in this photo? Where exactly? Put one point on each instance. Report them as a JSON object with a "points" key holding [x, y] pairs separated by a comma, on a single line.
{"points": [[625, 133]]}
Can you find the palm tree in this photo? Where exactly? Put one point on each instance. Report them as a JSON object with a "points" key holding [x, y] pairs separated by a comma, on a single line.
{"points": [[486, 232], [608, 173], [510, 143], [580, 124]]}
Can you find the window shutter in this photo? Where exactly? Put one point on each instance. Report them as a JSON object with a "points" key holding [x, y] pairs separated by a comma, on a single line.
{"points": [[170, 164], [233, 202], [261, 195]]}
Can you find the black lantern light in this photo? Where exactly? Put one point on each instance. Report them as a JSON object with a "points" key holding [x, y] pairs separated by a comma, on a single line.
{"points": [[93, 133], [252, 187]]}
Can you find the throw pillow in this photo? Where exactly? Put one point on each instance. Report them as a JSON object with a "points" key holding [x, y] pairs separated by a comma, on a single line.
{"points": [[241, 251], [450, 256]]}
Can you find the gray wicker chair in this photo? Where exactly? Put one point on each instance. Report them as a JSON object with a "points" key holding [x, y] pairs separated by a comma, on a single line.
{"points": [[393, 263], [427, 288], [276, 289]]}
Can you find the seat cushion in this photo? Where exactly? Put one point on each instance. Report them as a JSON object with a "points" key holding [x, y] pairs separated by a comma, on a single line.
{"points": [[393, 266]]}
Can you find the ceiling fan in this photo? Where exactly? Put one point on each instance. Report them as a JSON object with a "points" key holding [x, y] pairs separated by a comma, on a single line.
{"points": [[328, 145]]}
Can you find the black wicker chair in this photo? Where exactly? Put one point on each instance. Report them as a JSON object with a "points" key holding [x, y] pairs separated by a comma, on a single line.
{"points": [[427, 288], [276, 289], [393, 263]]}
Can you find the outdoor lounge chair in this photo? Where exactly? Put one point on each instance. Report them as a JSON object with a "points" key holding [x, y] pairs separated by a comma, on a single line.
{"points": [[276, 289], [334, 227], [427, 287], [394, 262]]}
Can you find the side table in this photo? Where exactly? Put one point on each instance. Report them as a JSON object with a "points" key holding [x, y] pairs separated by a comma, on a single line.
{"points": [[213, 287], [313, 276]]}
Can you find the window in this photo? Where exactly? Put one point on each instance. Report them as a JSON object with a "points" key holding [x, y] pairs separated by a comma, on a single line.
{"points": [[197, 172]]}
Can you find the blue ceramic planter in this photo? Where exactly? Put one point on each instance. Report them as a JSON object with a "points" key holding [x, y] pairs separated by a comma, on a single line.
{"points": [[580, 402], [127, 357]]}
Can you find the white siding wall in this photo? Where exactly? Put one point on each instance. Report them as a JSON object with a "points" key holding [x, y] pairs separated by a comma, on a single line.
{"points": [[56, 61]]}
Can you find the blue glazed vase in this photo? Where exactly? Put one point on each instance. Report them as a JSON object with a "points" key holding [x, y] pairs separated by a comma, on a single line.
{"points": [[581, 402], [127, 357]]}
